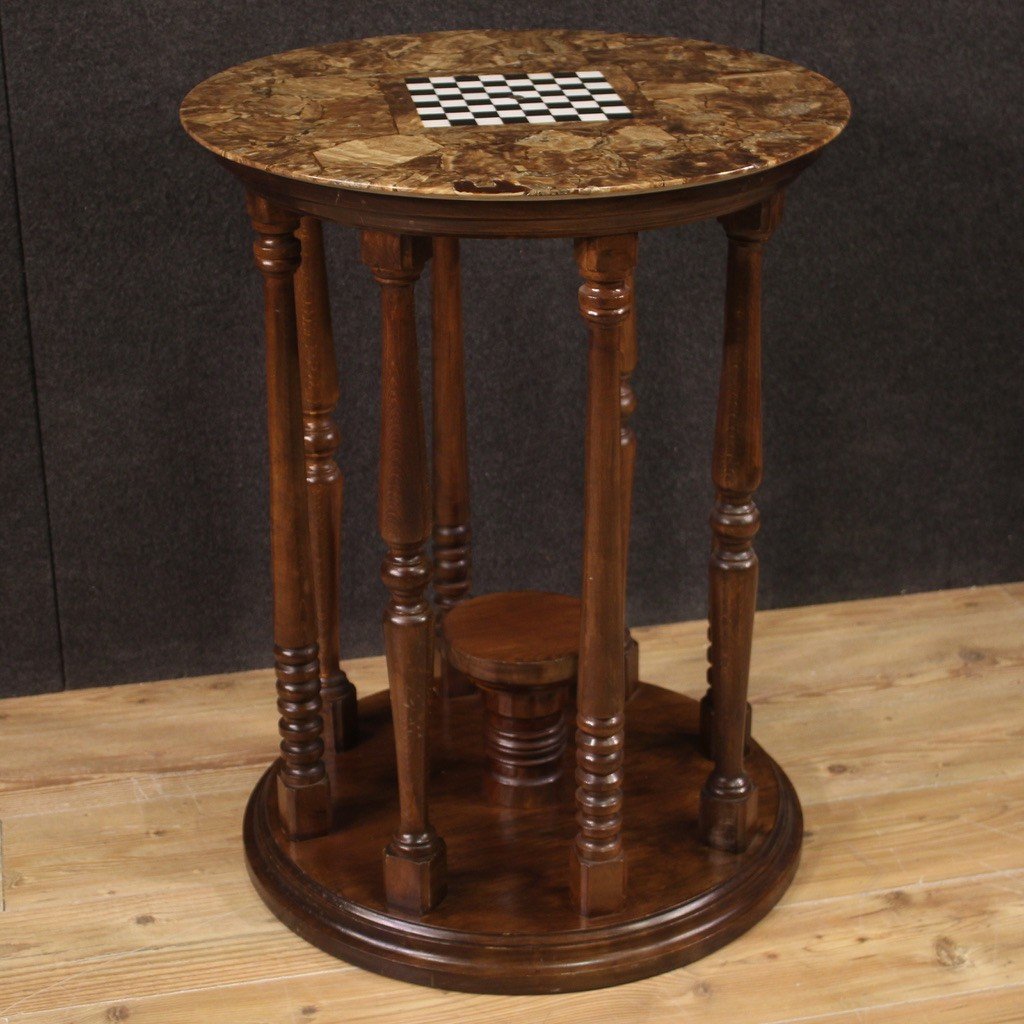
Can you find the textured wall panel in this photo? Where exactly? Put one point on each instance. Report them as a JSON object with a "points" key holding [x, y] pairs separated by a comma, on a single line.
{"points": [[893, 438], [149, 354], [894, 435], [29, 642]]}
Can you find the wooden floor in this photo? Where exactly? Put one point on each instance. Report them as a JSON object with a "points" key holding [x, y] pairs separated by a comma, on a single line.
{"points": [[901, 722]]}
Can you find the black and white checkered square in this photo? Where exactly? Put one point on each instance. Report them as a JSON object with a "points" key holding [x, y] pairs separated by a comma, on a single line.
{"points": [[548, 97]]}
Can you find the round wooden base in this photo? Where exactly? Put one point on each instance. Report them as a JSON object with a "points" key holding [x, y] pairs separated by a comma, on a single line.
{"points": [[507, 924]]}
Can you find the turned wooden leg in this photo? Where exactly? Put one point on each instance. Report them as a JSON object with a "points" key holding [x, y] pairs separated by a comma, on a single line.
{"points": [[627, 439], [451, 465], [324, 481], [303, 794], [728, 805], [598, 867], [414, 860], [707, 702]]}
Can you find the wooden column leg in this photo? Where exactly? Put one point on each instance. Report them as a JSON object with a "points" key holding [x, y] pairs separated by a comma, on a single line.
{"points": [[728, 805], [414, 860], [598, 866], [319, 374], [451, 464], [627, 440], [303, 794]]}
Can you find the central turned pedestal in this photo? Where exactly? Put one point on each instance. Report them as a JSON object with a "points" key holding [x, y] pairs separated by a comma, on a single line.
{"points": [[521, 649], [520, 814]]}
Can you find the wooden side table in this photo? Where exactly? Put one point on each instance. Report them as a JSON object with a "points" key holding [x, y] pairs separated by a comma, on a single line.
{"points": [[372, 835]]}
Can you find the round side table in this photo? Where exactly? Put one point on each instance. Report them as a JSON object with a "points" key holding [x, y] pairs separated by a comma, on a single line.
{"points": [[372, 835]]}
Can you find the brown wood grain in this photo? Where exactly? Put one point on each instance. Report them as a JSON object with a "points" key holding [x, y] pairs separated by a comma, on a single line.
{"points": [[519, 636], [729, 800], [507, 908], [598, 872], [325, 485], [304, 794], [628, 355], [521, 648], [414, 859], [451, 464]]}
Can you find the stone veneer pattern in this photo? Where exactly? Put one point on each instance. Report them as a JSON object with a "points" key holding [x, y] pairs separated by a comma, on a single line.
{"points": [[341, 115]]}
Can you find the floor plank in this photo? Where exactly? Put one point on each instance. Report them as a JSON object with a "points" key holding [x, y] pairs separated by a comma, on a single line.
{"points": [[142, 847], [902, 945], [300, 1001], [899, 719]]}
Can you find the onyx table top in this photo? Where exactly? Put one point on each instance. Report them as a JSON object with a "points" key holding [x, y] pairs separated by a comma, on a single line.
{"points": [[498, 116]]}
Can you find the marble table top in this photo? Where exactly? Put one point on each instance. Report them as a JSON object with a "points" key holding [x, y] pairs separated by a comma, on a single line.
{"points": [[489, 115]]}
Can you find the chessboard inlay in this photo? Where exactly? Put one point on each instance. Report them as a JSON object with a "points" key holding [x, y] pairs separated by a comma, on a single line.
{"points": [[547, 97]]}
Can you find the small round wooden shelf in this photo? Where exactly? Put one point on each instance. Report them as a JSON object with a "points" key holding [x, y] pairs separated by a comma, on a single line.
{"points": [[481, 842], [516, 638], [521, 650]]}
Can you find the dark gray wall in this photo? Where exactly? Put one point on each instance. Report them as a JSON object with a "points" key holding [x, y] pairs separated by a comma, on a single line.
{"points": [[893, 355], [30, 659], [895, 360]]}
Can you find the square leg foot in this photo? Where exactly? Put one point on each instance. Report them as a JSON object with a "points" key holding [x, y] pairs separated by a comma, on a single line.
{"points": [[598, 886], [305, 811], [416, 882], [728, 819]]}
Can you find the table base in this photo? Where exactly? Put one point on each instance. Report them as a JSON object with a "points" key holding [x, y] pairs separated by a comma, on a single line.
{"points": [[507, 924]]}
